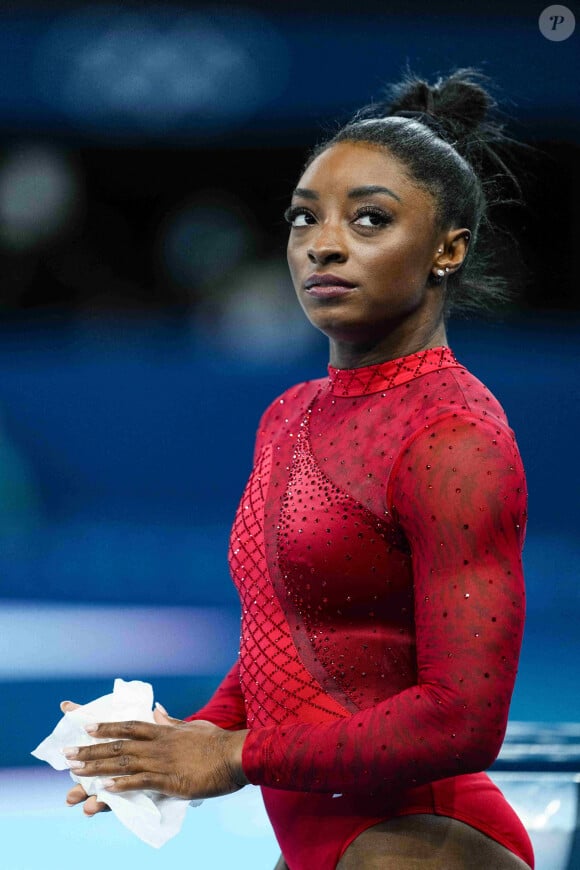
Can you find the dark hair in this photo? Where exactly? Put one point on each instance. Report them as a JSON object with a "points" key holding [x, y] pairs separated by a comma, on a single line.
{"points": [[443, 134]]}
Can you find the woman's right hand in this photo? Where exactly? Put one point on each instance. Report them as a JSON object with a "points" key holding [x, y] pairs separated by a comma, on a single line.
{"points": [[77, 794]]}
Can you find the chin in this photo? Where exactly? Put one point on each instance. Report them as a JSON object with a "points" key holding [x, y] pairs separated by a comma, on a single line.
{"points": [[343, 328]]}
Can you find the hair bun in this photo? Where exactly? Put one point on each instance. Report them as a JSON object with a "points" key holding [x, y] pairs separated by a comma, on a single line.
{"points": [[460, 101]]}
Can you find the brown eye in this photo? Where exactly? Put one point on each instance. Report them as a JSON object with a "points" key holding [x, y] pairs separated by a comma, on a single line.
{"points": [[372, 218], [297, 217]]}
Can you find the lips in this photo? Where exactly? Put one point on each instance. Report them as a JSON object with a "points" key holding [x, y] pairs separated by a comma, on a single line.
{"points": [[327, 286], [327, 280]]}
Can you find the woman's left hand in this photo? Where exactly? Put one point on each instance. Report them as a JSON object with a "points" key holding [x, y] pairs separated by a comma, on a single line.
{"points": [[181, 759]]}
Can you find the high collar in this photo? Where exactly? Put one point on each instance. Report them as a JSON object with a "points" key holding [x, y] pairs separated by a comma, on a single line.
{"points": [[385, 375]]}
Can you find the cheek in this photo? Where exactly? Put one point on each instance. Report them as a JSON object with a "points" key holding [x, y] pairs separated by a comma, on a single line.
{"points": [[292, 258], [401, 255], [397, 266], [395, 281]]}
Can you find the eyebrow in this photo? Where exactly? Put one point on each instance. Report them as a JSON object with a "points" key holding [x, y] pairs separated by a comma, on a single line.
{"points": [[354, 193]]}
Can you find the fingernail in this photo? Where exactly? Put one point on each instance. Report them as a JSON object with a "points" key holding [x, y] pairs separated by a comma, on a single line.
{"points": [[90, 729], [160, 707], [70, 751], [108, 783], [76, 765]]}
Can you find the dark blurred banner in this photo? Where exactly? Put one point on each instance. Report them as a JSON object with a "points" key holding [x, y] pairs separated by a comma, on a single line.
{"points": [[234, 74], [147, 152]]}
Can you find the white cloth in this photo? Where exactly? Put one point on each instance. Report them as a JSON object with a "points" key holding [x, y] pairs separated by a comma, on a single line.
{"points": [[153, 817]]}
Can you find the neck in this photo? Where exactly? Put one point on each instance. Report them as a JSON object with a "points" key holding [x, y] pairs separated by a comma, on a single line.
{"points": [[356, 354]]}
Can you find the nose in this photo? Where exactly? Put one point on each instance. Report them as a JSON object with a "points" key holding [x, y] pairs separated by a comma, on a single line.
{"points": [[327, 247]]}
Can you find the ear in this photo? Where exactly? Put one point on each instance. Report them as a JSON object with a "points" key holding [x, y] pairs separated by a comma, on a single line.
{"points": [[452, 250]]}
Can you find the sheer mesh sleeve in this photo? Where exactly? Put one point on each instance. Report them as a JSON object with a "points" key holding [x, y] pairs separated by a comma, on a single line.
{"points": [[458, 492], [226, 707]]}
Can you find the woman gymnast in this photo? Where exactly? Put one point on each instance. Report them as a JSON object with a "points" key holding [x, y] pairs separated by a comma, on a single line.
{"points": [[377, 545]]}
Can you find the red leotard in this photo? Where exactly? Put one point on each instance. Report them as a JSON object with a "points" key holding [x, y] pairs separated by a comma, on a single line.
{"points": [[377, 554]]}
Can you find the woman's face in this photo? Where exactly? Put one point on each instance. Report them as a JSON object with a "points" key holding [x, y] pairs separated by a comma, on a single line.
{"points": [[358, 216]]}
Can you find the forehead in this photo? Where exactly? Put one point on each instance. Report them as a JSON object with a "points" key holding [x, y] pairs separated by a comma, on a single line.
{"points": [[355, 164]]}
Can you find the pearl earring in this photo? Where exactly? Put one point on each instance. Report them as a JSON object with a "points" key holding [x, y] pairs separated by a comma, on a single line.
{"points": [[440, 272]]}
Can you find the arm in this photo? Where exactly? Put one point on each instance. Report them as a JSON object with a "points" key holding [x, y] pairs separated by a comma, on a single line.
{"points": [[458, 491], [226, 707]]}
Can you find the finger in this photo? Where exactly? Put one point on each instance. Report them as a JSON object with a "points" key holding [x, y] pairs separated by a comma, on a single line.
{"points": [[67, 706], [97, 751], [162, 717], [117, 757], [76, 795], [139, 781], [125, 730], [93, 806], [124, 764]]}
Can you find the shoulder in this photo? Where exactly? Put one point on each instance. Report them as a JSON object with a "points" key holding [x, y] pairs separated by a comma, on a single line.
{"points": [[286, 407], [461, 430], [465, 394], [447, 400], [450, 388], [459, 456], [469, 411]]}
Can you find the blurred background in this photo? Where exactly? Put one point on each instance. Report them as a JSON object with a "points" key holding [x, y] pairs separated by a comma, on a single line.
{"points": [[147, 153]]}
